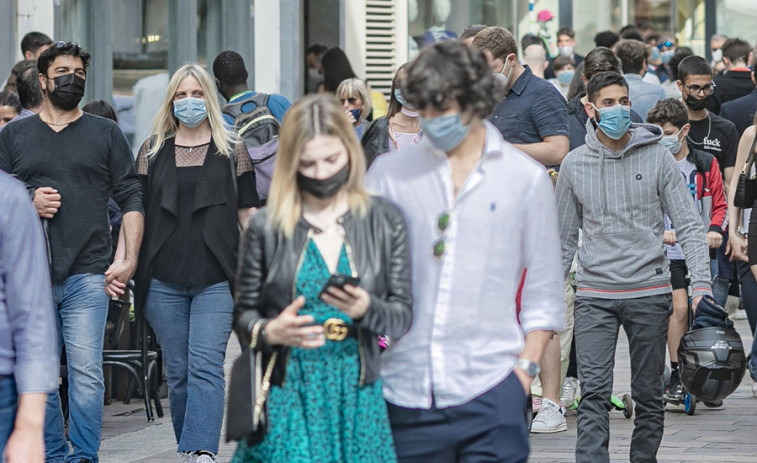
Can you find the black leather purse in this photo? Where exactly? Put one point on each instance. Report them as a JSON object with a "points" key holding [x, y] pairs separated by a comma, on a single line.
{"points": [[247, 410], [746, 188]]}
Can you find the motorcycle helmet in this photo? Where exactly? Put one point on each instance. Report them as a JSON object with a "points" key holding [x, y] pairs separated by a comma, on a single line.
{"points": [[711, 362]]}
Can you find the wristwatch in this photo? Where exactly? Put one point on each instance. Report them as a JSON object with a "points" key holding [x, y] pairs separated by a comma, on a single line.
{"points": [[531, 368]]}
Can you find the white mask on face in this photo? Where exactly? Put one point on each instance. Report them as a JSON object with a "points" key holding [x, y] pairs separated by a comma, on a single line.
{"points": [[504, 79], [717, 55], [314, 74]]}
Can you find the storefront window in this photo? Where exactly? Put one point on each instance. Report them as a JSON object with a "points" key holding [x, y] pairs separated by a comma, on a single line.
{"points": [[432, 21], [592, 16], [735, 18]]}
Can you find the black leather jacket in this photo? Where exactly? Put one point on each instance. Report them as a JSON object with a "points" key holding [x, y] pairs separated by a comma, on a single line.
{"points": [[269, 262], [375, 140]]}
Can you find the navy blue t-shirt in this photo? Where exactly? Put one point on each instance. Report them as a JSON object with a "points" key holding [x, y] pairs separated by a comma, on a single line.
{"points": [[532, 110]]}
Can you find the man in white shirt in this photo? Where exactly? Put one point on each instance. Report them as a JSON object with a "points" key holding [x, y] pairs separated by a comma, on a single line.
{"points": [[479, 213]]}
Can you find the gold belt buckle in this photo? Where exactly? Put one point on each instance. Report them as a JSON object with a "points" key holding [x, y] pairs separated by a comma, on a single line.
{"points": [[335, 329]]}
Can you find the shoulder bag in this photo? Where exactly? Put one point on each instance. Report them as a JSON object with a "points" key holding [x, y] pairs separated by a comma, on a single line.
{"points": [[247, 410], [746, 188]]}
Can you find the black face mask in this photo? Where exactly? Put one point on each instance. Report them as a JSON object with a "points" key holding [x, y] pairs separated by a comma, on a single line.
{"points": [[326, 187], [695, 104], [68, 91]]}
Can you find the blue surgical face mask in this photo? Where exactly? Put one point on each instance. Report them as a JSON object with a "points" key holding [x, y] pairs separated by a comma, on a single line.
{"points": [[190, 111], [356, 113], [444, 132], [671, 142], [655, 55], [614, 121], [401, 99], [565, 77], [667, 55]]}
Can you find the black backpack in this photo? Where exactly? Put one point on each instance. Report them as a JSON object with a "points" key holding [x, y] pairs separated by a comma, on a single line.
{"points": [[260, 131]]}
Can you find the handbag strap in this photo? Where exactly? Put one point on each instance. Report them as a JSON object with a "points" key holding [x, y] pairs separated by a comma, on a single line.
{"points": [[750, 158], [264, 387]]}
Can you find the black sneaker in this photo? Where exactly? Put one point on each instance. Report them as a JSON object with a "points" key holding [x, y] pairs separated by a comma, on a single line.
{"points": [[673, 388], [713, 404]]}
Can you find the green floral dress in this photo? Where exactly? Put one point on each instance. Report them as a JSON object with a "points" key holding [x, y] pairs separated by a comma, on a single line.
{"points": [[321, 414]]}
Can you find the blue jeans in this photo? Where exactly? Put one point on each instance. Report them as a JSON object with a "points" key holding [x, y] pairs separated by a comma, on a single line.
{"points": [[193, 326], [81, 311], [8, 406]]}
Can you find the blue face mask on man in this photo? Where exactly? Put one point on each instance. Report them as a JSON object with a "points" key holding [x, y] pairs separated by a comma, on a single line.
{"points": [[444, 132], [565, 77], [190, 111], [614, 121], [671, 142]]}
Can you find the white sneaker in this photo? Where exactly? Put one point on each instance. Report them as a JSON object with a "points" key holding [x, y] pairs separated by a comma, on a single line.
{"points": [[186, 457], [754, 388], [569, 391], [549, 419], [205, 458], [739, 315]]}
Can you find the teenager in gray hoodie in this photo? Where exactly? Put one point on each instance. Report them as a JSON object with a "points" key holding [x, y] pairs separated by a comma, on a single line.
{"points": [[617, 188]]}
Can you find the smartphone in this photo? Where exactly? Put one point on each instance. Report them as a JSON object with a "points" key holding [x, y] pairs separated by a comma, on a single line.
{"points": [[339, 281]]}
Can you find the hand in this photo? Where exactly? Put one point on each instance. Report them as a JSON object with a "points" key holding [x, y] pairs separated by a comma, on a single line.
{"points": [[714, 239], [352, 300], [25, 446], [669, 237], [738, 244], [525, 380], [290, 329], [351, 118], [695, 303], [46, 201], [117, 276]]}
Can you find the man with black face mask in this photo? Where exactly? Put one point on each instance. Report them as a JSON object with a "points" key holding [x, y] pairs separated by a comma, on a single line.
{"points": [[72, 162], [717, 136]]}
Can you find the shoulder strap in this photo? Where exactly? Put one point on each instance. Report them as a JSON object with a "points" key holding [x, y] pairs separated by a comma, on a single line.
{"points": [[260, 99], [750, 158], [233, 167]]}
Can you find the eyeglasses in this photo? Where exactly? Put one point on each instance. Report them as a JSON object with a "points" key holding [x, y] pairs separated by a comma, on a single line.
{"points": [[696, 89], [440, 246], [349, 100]]}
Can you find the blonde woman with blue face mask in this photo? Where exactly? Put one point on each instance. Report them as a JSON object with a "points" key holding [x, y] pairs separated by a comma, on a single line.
{"points": [[199, 187]]}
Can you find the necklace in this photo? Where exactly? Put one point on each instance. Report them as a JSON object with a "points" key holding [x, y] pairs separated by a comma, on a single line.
{"points": [[709, 127], [58, 124]]}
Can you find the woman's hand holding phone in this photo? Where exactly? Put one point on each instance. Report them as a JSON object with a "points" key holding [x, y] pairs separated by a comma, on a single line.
{"points": [[350, 299]]}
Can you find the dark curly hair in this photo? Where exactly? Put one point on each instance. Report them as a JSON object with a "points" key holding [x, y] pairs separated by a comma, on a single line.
{"points": [[229, 68], [451, 71], [669, 110], [61, 48]]}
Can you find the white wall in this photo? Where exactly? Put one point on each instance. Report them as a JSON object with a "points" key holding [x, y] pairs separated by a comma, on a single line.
{"points": [[33, 15], [354, 35], [267, 46]]}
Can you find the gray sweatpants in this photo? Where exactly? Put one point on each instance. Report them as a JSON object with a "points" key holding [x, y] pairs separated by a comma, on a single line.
{"points": [[645, 321]]}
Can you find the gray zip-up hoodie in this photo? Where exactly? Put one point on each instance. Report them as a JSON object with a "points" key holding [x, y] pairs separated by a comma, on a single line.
{"points": [[619, 200]]}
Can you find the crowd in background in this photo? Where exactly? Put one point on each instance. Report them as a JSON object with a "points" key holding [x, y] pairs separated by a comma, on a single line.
{"points": [[514, 203]]}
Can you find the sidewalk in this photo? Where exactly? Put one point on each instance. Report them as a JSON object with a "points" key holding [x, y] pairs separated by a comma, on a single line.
{"points": [[723, 435]]}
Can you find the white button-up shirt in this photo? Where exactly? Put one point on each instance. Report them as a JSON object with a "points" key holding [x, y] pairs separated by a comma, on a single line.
{"points": [[466, 334]]}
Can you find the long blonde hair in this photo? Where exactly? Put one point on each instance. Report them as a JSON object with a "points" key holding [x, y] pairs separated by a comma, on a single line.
{"points": [[166, 124], [311, 116], [352, 88]]}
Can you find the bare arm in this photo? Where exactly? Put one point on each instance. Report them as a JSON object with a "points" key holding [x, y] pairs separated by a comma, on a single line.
{"points": [[244, 215], [550, 151], [119, 273], [736, 240], [536, 342], [26, 443]]}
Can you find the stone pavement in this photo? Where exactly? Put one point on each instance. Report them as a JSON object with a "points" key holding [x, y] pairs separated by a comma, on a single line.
{"points": [[723, 435]]}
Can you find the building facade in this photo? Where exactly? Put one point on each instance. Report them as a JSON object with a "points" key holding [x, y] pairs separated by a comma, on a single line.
{"points": [[134, 39]]}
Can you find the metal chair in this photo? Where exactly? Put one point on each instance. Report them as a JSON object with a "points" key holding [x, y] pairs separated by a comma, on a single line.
{"points": [[141, 364]]}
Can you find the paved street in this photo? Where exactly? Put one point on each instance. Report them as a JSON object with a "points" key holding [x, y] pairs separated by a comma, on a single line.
{"points": [[724, 435]]}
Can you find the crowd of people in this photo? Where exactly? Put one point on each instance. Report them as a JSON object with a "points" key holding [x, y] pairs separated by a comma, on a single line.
{"points": [[415, 277]]}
